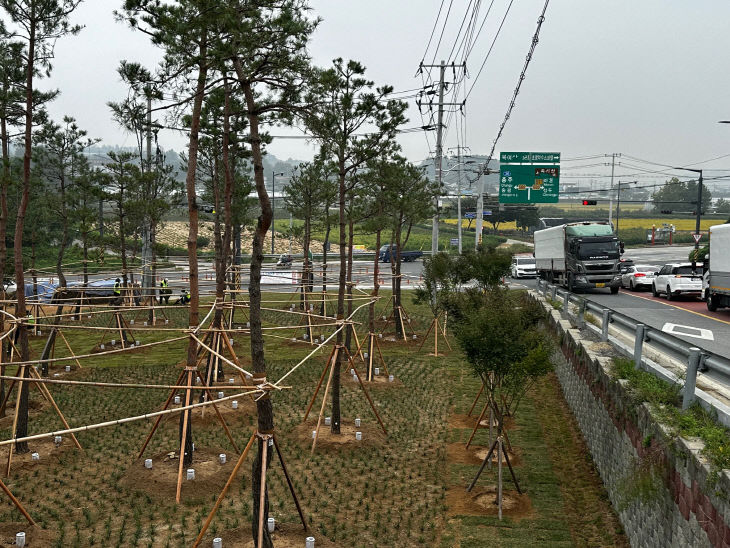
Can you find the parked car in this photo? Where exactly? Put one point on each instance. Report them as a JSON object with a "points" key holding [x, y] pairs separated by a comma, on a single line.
{"points": [[675, 279], [638, 276], [405, 256], [523, 267]]}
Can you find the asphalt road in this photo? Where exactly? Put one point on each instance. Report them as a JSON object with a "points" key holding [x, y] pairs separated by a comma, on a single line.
{"points": [[685, 317], [273, 278]]}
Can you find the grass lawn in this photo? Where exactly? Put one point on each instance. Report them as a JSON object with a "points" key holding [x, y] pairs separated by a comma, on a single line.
{"points": [[403, 490]]}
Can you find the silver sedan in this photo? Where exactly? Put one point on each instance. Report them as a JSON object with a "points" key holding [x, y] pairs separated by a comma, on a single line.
{"points": [[639, 277]]}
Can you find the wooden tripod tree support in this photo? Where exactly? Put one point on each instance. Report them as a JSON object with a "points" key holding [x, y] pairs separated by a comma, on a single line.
{"points": [[373, 344], [169, 400], [331, 361], [43, 389], [499, 445], [435, 327], [403, 320], [268, 439], [118, 323]]}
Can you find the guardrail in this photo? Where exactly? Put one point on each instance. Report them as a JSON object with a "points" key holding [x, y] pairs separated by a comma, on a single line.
{"points": [[696, 358]]}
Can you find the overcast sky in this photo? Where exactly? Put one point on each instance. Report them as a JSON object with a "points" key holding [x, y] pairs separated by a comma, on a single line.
{"points": [[645, 78]]}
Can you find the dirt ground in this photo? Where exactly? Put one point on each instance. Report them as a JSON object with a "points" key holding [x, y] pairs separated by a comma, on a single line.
{"points": [[160, 481], [372, 435], [35, 537], [483, 502], [285, 535], [175, 233]]}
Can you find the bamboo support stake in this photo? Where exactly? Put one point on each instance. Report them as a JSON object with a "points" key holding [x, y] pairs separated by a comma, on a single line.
{"points": [[60, 332], [425, 338], [481, 468], [227, 486], [42, 387], [511, 471], [476, 426], [324, 399], [220, 417], [7, 396], [159, 418], [16, 502], [15, 420], [184, 435], [481, 389], [262, 494], [370, 401], [289, 482], [319, 384]]}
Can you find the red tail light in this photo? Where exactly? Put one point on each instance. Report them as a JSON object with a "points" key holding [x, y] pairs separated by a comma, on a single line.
{"points": [[639, 275]]}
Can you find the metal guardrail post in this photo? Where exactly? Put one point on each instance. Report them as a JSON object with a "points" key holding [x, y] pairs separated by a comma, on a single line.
{"points": [[581, 313], [693, 363], [554, 292], [606, 319], [566, 306], [545, 288], [639, 344]]}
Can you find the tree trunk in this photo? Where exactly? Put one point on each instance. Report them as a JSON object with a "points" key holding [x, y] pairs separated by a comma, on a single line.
{"points": [[398, 317], [64, 235], [4, 139], [193, 319], [350, 238], [336, 414], [22, 419], [264, 407], [371, 306], [325, 245]]}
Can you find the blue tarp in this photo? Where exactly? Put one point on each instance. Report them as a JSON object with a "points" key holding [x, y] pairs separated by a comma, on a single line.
{"points": [[103, 288]]}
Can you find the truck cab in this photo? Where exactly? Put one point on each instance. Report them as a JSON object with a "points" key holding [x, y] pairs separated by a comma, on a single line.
{"points": [[582, 255]]}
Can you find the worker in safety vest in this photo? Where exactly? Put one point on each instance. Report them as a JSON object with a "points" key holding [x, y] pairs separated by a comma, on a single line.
{"points": [[118, 291], [165, 291], [31, 319], [184, 297]]}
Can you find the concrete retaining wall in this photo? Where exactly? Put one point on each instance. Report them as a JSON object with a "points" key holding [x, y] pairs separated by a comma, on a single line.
{"points": [[687, 509]]}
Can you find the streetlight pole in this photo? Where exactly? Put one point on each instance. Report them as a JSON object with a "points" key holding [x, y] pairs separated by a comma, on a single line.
{"points": [[698, 211], [273, 206]]}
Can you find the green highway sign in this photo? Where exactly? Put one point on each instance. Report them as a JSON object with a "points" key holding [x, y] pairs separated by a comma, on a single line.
{"points": [[529, 157], [529, 184]]}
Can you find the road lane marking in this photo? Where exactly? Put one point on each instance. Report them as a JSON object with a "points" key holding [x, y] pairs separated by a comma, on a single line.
{"points": [[688, 331], [678, 308]]}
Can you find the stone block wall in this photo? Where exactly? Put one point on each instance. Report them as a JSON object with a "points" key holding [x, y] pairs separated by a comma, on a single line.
{"points": [[689, 507]]}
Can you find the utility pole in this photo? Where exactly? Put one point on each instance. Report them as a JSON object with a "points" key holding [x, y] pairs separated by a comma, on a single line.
{"points": [[439, 144], [610, 194], [480, 213], [439, 160], [459, 165]]}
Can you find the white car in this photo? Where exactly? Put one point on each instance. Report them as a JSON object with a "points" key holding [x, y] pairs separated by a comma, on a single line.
{"points": [[523, 267], [675, 279], [639, 277]]}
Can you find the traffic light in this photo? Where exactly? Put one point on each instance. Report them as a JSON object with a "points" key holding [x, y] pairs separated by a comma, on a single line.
{"points": [[590, 202], [666, 211]]}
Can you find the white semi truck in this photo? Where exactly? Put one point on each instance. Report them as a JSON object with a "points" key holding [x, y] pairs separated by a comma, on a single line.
{"points": [[580, 255], [717, 292]]}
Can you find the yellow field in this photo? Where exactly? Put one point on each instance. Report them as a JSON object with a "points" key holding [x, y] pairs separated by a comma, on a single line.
{"points": [[680, 224]]}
